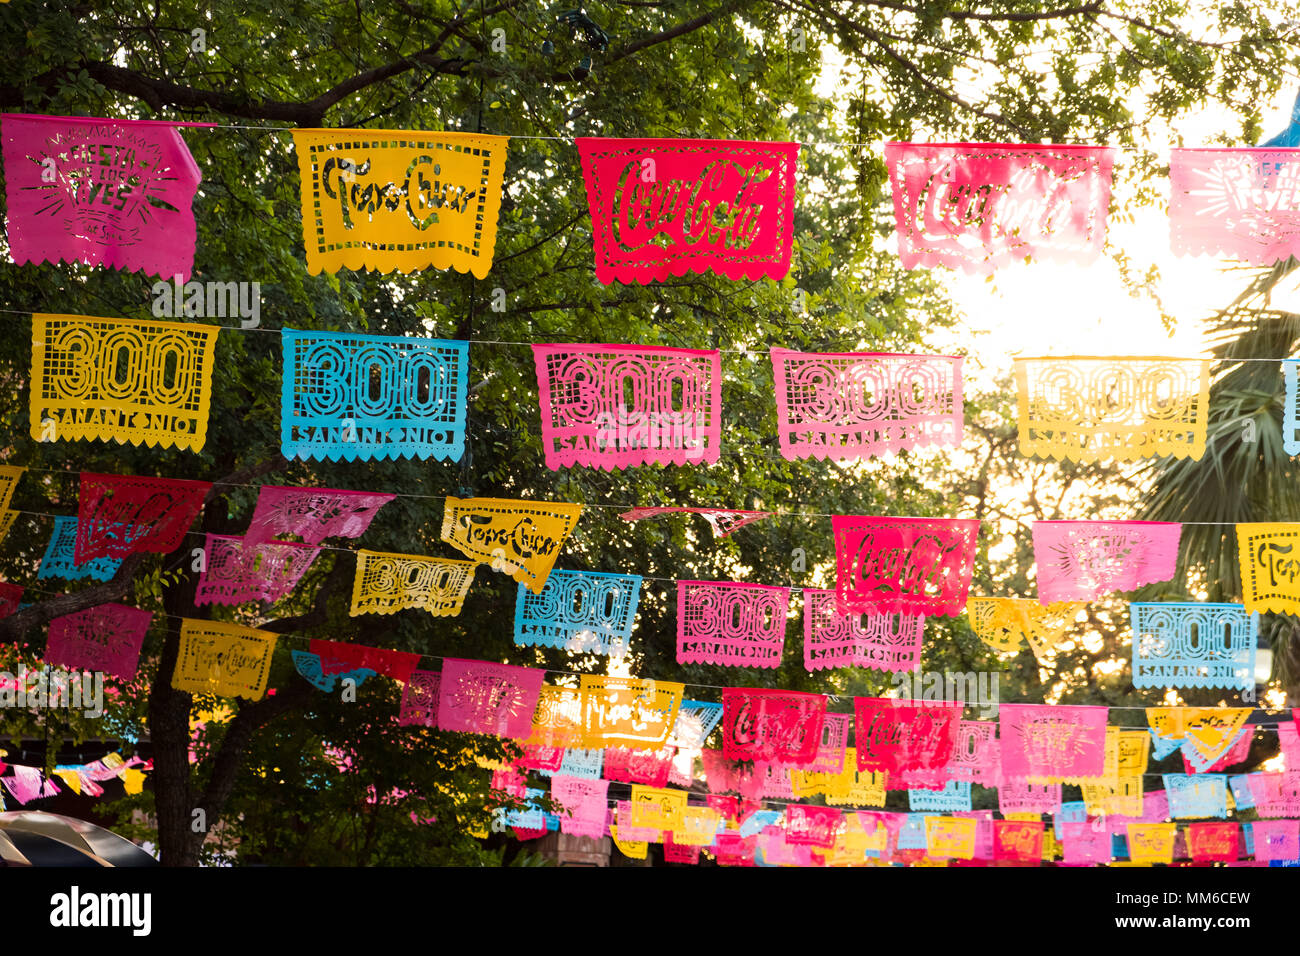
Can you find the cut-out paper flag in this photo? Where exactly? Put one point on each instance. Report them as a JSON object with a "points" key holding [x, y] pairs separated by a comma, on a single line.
{"points": [[807, 825], [1150, 843], [885, 642], [9, 477], [950, 837], [651, 767], [1235, 754], [121, 380], [618, 406], [1082, 560], [1211, 731], [954, 795], [1240, 203], [106, 192], [480, 697], [981, 206], [1193, 645], [400, 200], [772, 725], [105, 638], [354, 397], [832, 745], [851, 786], [1291, 407], [1276, 839], [388, 583], [697, 827], [229, 660], [236, 572], [59, 562], [1046, 740], [1270, 570], [420, 701], [1018, 841], [723, 521], [1196, 795], [976, 754], [583, 804], [657, 809], [1001, 623], [557, 721], [1276, 794], [665, 207], [1213, 842], [893, 736], [695, 721], [628, 710], [731, 624], [313, 514], [677, 853], [311, 669], [1085, 844], [519, 538], [847, 405], [1091, 408], [341, 656], [579, 611], [903, 565], [11, 597], [118, 515]]}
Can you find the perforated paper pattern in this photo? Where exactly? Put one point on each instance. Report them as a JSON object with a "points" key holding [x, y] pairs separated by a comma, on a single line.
{"points": [[419, 706], [1002, 623], [519, 538], [479, 697], [579, 611], [1082, 560], [1240, 203], [388, 583], [313, 514], [892, 736], [884, 642], [123, 380], [731, 624], [228, 660], [118, 515], [619, 406], [628, 710], [105, 638], [781, 726], [1041, 740], [59, 562], [1193, 645], [237, 572], [903, 565]]}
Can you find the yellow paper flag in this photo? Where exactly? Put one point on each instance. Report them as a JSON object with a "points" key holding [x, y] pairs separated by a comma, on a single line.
{"points": [[519, 538], [950, 837], [229, 660], [388, 583], [1270, 566], [1002, 622], [628, 710], [632, 849], [1151, 842], [399, 200]]}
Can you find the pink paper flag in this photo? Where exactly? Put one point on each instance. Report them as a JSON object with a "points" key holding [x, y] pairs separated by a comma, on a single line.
{"points": [[1241, 203], [903, 565], [419, 706], [1019, 796], [1082, 560], [1277, 839], [896, 736], [885, 642], [1288, 738], [629, 833], [773, 725], [313, 514], [723, 521], [980, 206], [846, 405], [977, 753], [832, 746], [583, 802], [650, 767], [1276, 794], [1053, 740], [108, 192], [674, 416], [105, 638], [238, 572], [731, 849], [665, 207], [118, 515], [479, 697], [1085, 844], [812, 826], [675, 853], [731, 624]]}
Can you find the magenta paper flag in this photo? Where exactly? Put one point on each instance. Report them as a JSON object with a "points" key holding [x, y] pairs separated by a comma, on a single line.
{"points": [[674, 416], [583, 804], [1276, 794], [118, 515], [665, 207], [1239, 203], [1276, 839], [1085, 844], [723, 520], [1082, 560], [629, 765], [675, 853], [1052, 740], [846, 405], [419, 707], [903, 565], [479, 697], [980, 206], [104, 638], [313, 514], [886, 642], [237, 571], [784, 726], [894, 735], [812, 826], [11, 596], [832, 746], [27, 784], [977, 753], [1288, 738], [1020, 796], [731, 624], [106, 192]]}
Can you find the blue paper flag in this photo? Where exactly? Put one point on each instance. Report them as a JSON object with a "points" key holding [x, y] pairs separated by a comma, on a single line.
{"points": [[364, 397], [1242, 795], [586, 611], [1074, 811], [58, 562], [308, 666], [1199, 795], [758, 821], [955, 795], [1193, 645], [1163, 746], [911, 835], [695, 721]]}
